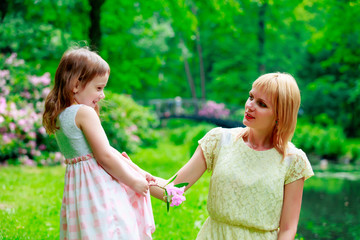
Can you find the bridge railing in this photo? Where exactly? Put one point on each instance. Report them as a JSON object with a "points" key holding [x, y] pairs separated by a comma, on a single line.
{"points": [[198, 110]]}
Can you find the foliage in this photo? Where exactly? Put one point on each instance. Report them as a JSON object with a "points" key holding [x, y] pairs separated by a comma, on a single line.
{"points": [[127, 124], [22, 93], [149, 43], [325, 141]]}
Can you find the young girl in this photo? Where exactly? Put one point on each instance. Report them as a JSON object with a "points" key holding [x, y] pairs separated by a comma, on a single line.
{"points": [[106, 195]]}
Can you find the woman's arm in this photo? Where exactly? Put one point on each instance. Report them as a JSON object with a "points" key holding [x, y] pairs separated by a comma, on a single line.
{"points": [[88, 121], [189, 173], [291, 209]]}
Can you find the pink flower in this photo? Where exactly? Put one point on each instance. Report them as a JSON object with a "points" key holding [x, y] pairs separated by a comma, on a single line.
{"points": [[42, 130], [12, 126], [2, 105], [6, 138], [176, 200], [4, 73], [42, 147], [176, 194]]}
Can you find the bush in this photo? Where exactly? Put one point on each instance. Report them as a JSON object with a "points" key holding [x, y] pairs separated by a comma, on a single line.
{"points": [[196, 134], [23, 138], [22, 93], [324, 141], [127, 124]]}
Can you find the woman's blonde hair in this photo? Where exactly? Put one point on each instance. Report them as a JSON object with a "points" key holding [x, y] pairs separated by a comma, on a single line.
{"points": [[76, 65], [285, 97]]}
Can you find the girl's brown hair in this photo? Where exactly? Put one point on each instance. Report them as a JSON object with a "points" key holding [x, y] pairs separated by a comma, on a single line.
{"points": [[77, 66], [285, 96]]}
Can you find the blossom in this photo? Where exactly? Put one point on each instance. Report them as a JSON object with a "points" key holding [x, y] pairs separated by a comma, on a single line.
{"points": [[174, 193], [2, 105], [176, 200], [174, 190]]}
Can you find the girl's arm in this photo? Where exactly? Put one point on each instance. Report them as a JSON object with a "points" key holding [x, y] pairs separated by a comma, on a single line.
{"points": [[88, 121], [291, 209], [127, 159], [189, 173]]}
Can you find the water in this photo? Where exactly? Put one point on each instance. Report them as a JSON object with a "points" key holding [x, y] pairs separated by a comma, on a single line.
{"points": [[330, 208]]}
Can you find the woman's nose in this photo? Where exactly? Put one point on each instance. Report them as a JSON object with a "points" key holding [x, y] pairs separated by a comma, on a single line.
{"points": [[249, 105]]}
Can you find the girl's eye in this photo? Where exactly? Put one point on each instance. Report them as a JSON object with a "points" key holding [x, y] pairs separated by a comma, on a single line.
{"points": [[251, 97]]}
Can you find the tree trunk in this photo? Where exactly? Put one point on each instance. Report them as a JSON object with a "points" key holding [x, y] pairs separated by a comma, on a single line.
{"points": [[3, 9], [261, 38], [95, 29], [188, 73], [201, 64]]}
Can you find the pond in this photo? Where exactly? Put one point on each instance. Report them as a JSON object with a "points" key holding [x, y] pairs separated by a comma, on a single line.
{"points": [[330, 208]]}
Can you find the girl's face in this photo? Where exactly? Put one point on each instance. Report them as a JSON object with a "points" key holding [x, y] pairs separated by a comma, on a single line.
{"points": [[92, 93], [259, 111]]}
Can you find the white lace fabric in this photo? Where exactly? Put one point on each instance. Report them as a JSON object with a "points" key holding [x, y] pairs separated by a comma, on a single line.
{"points": [[246, 187]]}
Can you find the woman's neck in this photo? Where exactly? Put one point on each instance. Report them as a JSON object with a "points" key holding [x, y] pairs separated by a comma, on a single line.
{"points": [[258, 140]]}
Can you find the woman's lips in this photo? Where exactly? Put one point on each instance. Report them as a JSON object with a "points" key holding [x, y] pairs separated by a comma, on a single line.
{"points": [[248, 116]]}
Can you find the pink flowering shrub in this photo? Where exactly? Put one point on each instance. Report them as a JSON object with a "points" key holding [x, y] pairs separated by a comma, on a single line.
{"points": [[23, 139], [213, 109]]}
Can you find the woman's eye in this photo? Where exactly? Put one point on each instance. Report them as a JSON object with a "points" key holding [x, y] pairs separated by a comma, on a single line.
{"points": [[251, 97], [261, 104]]}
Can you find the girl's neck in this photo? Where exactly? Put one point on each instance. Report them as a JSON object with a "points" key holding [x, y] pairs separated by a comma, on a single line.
{"points": [[258, 140]]}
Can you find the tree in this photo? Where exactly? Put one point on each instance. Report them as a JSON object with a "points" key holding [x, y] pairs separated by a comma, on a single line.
{"points": [[95, 17]]}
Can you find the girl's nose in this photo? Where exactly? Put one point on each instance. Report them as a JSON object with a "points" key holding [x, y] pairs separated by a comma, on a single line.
{"points": [[102, 95]]}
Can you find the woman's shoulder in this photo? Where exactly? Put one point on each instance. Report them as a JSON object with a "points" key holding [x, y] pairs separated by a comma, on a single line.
{"points": [[292, 152], [233, 131]]}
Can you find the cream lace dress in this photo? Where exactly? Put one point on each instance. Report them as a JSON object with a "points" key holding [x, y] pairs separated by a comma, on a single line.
{"points": [[246, 187]]}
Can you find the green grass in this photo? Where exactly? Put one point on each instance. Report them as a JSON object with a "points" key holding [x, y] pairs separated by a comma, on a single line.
{"points": [[30, 202], [30, 198]]}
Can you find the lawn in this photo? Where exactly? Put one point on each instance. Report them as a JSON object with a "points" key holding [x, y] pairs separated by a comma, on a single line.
{"points": [[30, 198]]}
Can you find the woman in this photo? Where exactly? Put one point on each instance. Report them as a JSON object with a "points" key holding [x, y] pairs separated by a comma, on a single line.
{"points": [[257, 174]]}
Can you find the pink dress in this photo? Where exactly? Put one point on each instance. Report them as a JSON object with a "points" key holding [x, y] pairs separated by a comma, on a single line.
{"points": [[96, 205]]}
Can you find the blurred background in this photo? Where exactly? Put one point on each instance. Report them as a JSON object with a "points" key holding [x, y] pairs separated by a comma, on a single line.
{"points": [[173, 60]]}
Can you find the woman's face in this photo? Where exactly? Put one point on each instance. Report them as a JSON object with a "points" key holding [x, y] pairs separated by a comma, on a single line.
{"points": [[259, 111]]}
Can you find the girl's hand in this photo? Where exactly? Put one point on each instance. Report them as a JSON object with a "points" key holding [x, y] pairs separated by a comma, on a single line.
{"points": [[150, 178], [141, 186]]}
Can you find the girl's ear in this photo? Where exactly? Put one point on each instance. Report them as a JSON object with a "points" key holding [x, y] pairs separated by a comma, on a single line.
{"points": [[76, 87]]}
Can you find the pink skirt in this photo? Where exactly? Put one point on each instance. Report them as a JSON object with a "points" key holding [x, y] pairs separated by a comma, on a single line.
{"points": [[97, 206]]}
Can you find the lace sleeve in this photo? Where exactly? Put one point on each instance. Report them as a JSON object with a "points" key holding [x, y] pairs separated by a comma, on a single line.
{"points": [[210, 145], [299, 167]]}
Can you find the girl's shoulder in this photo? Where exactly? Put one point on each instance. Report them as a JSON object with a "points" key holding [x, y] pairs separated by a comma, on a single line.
{"points": [[85, 113]]}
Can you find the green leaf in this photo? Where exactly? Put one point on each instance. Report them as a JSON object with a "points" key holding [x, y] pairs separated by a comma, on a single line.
{"points": [[181, 185], [171, 180], [167, 206]]}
